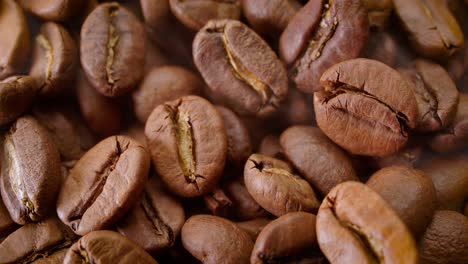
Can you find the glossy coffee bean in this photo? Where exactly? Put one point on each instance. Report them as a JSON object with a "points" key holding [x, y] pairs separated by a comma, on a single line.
{"points": [[95, 247], [103, 184], [227, 51], [356, 225], [210, 240], [14, 38], [53, 10], [16, 96], [275, 187], [318, 37], [323, 164], [359, 109], [30, 177], [112, 49], [188, 145]]}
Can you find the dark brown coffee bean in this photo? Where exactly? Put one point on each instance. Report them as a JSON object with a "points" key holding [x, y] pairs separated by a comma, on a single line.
{"points": [[106, 247], [16, 96], [238, 139], [318, 37], [359, 109], [284, 238], [103, 115], [7, 225], [445, 240], [30, 177], [273, 185], [154, 56], [254, 227], [227, 51], [113, 49], [14, 38], [244, 206], [210, 239], [155, 220], [323, 164], [436, 95], [378, 11], [194, 14], [43, 242], [355, 225], [188, 145], [433, 31], [103, 184], [269, 17], [381, 47], [409, 192], [53, 10], [450, 178], [217, 202], [270, 146], [408, 157], [455, 136], [156, 12], [296, 110], [163, 84]]}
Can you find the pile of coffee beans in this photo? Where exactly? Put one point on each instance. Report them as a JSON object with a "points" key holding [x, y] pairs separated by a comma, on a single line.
{"points": [[234, 131]]}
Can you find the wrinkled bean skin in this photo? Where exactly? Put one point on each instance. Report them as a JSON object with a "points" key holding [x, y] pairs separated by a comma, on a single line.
{"points": [[94, 248], [273, 185], [112, 49], [210, 240], [367, 108], [355, 225], [16, 96], [227, 51], [285, 237], [323, 164], [409, 192], [445, 239], [188, 145], [53, 10], [30, 180], [317, 38], [103, 184]]}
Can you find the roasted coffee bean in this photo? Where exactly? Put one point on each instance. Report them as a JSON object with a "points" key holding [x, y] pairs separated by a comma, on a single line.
{"points": [[432, 28], [228, 52], [450, 178], [254, 227], [54, 59], [155, 220], [154, 56], [112, 49], [53, 10], [269, 17], [318, 37], [163, 84], [408, 157], [445, 239], [409, 192], [295, 110], [355, 225], [455, 136], [30, 177], [218, 203], [359, 109], [436, 95], [103, 184], [137, 132], [286, 237], [244, 206], [156, 12], [323, 164], [188, 145], [238, 139], [275, 187], [210, 239], [103, 115], [270, 146], [381, 47], [7, 225], [16, 96], [14, 38], [43, 242], [378, 11], [194, 14], [106, 247]]}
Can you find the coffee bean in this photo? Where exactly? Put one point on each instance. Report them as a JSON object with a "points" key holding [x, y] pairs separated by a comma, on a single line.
{"points": [[318, 37], [275, 187], [112, 49], [254, 227], [359, 109], [54, 10], [218, 203], [14, 38], [378, 12], [228, 52], [244, 206], [103, 184], [382, 47], [106, 247], [296, 110], [156, 12], [323, 164], [408, 157], [270, 146], [30, 177], [355, 225], [16, 96], [210, 239], [7, 225], [188, 145]]}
